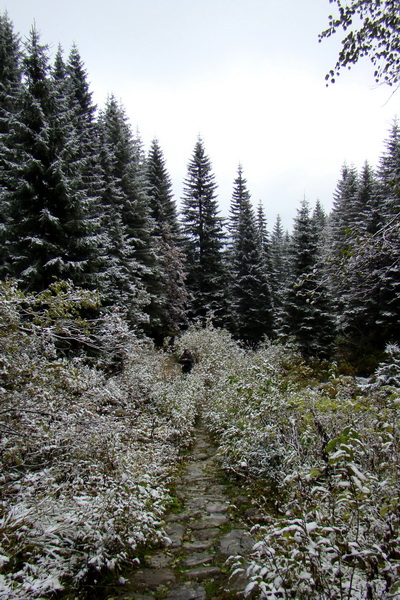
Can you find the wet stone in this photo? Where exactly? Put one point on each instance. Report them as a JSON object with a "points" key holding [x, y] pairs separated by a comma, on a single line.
{"points": [[201, 456], [187, 592], [196, 504], [238, 583], [198, 547], [175, 532], [153, 578], [202, 573], [216, 507], [237, 541], [197, 559], [159, 560], [212, 521], [194, 471], [205, 534], [182, 517]]}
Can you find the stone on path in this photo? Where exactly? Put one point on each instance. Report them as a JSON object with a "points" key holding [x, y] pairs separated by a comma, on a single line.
{"points": [[202, 535], [151, 579], [187, 592], [236, 541]]}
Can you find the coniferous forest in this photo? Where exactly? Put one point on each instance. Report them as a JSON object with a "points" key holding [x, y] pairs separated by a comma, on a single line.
{"points": [[106, 277]]}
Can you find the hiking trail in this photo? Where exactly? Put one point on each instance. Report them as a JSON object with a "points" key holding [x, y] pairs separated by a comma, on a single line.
{"points": [[203, 534]]}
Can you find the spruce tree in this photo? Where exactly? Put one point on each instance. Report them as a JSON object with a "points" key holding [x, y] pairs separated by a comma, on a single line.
{"points": [[280, 272], [319, 218], [250, 292], [162, 204], [389, 174], [10, 93], [370, 202], [344, 218], [203, 238], [370, 308], [266, 251], [48, 230], [80, 96], [167, 242], [341, 233], [240, 194], [371, 315], [125, 220], [308, 308], [79, 156]]}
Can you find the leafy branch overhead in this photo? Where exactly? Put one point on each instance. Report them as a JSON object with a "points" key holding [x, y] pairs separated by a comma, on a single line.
{"points": [[371, 29]]}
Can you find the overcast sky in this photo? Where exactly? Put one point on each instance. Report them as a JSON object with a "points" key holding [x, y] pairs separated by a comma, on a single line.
{"points": [[246, 75]]}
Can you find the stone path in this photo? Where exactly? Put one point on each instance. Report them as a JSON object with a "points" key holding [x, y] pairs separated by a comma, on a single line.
{"points": [[202, 536]]}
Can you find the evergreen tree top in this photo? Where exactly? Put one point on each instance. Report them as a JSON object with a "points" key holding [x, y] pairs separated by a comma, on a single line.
{"points": [[10, 52]]}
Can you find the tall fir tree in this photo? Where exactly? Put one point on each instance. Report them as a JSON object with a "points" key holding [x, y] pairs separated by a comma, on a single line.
{"points": [[341, 233], [344, 218], [162, 203], [240, 194], [79, 155], [370, 313], [203, 238], [309, 317], [280, 272], [389, 174], [48, 233], [371, 298], [319, 218], [250, 292], [10, 64], [265, 248], [125, 217], [369, 199], [10, 94], [167, 241]]}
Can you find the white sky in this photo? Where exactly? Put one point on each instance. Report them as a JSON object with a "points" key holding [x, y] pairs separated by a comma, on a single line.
{"points": [[247, 75]]}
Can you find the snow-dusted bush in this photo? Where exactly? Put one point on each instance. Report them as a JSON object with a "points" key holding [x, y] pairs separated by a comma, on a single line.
{"points": [[329, 454], [86, 459], [388, 372]]}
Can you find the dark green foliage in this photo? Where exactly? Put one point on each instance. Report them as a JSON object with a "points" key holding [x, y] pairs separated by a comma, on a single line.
{"points": [[167, 242], [371, 298], [250, 290], [80, 201], [10, 71], [162, 204], [308, 308], [10, 90], [369, 199], [48, 229], [280, 270], [389, 175], [365, 278], [344, 223], [203, 238], [127, 252]]}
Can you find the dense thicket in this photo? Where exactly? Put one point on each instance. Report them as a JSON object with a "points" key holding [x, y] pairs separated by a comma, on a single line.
{"points": [[81, 200]]}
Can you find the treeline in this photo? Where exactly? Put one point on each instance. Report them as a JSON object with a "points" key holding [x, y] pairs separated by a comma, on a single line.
{"points": [[81, 200]]}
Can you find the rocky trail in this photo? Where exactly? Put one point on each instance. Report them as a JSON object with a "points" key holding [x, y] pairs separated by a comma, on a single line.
{"points": [[204, 531]]}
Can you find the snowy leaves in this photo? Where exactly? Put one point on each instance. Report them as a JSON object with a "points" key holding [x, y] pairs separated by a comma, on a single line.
{"points": [[327, 454], [86, 458]]}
